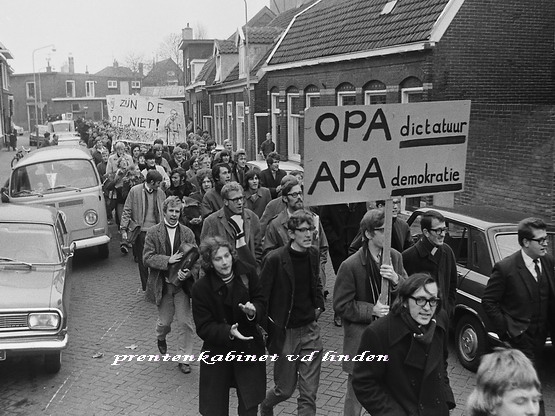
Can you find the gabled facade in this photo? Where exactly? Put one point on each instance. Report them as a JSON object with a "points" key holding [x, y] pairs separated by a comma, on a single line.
{"points": [[347, 52], [6, 97], [83, 95], [164, 73]]}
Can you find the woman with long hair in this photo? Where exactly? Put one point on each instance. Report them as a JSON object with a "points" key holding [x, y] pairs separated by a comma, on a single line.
{"points": [[408, 375], [228, 305]]}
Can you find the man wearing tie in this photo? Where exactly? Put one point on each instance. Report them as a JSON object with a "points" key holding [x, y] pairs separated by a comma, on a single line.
{"points": [[520, 295]]}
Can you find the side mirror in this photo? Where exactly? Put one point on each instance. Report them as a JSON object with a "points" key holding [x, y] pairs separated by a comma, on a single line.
{"points": [[69, 250], [5, 197]]}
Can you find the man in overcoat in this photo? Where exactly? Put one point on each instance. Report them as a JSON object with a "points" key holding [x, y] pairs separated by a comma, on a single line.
{"points": [[357, 290], [161, 250]]}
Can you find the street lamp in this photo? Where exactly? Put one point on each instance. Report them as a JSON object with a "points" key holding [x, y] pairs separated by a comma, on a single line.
{"points": [[35, 78], [248, 81]]}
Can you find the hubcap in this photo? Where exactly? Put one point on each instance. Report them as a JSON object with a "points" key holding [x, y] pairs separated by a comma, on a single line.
{"points": [[468, 343]]}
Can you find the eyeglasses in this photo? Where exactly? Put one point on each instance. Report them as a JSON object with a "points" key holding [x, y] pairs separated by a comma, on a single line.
{"points": [[422, 301], [379, 229], [236, 200], [305, 229], [439, 230], [540, 241], [295, 194]]}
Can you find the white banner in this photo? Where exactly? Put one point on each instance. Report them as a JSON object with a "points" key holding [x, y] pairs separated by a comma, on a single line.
{"points": [[144, 119], [362, 153]]}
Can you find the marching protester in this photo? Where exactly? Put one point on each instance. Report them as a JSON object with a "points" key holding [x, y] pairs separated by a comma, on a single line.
{"points": [[212, 200], [161, 250], [228, 305], [256, 197], [142, 210], [240, 168], [150, 159], [413, 335], [292, 288], [357, 290], [271, 177], [431, 255], [239, 225], [506, 385]]}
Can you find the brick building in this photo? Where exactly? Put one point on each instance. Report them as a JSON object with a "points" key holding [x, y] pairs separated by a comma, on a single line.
{"points": [[499, 55], [6, 97], [83, 95]]}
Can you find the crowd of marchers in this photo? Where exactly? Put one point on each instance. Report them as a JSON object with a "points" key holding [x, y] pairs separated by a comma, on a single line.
{"points": [[234, 254]]}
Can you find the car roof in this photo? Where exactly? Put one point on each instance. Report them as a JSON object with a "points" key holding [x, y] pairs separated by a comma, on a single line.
{"points": [[50, 153], [27, 213], [285, 165], [479, 216]]}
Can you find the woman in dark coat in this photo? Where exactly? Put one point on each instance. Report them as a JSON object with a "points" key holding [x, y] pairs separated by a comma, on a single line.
{"points": [[227, 306], [413, 380]]}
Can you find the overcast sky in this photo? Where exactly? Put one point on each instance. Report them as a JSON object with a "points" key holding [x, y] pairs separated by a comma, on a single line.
{"points": [[99, 31]]}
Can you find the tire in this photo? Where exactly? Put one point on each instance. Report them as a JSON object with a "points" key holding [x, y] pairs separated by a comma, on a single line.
{"points": [[471, 342], [53, 362], [103, 251]]}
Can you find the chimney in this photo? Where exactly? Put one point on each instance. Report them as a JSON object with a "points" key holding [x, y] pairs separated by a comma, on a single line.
{"points": [[187, 33], [116, 64], [71, 65], [141, 68]]}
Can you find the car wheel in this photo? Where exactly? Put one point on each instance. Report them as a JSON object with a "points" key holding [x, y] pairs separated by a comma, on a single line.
{"points": [[53, 362], [471, 342], [103, 251]]}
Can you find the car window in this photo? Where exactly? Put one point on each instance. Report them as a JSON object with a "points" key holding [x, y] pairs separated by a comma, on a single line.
{"points": [[31, 243], [53, 176], [479, 259], [508, 244], [456, 237]]}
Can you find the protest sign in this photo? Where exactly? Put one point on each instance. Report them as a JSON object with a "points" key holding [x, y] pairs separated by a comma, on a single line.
{"points": [[144, 119], [362, 153]]}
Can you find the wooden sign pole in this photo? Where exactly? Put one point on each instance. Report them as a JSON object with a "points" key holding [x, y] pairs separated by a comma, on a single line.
{"points": [[386, 253]]}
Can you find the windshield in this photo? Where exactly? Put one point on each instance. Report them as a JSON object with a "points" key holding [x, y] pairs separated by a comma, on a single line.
{"points": [[53, 176], [61, 127], [29, 243]]}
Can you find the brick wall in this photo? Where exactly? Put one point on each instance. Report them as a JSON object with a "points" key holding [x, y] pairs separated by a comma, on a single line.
{"points": [[498, 52], [510, 160]]}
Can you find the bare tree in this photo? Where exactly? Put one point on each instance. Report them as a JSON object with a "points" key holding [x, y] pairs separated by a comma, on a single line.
{"points": [[169, 48], [133, 59], [199, 31]]}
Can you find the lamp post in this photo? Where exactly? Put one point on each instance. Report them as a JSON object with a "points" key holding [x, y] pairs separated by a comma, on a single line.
{"points": [[248, 82], [35, 78]]}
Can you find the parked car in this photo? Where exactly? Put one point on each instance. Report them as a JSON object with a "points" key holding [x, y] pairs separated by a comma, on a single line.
{"points": [[479, 238], [66, 178], [35, 264], [65, 131], [285, 165], [37, 134]]}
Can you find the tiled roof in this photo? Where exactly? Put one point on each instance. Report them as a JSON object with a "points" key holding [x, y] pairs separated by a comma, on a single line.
{"points": [[226, 46], [116, 72], [233, 75], [266, 34], [283, 19], [337, 27], [208, 72], [165, 91]]}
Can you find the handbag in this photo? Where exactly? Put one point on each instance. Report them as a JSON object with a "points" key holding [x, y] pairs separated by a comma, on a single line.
{"points": [[190, 257]]}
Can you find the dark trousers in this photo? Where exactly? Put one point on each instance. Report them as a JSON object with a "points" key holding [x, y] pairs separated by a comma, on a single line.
{"points": [[138, 247]]}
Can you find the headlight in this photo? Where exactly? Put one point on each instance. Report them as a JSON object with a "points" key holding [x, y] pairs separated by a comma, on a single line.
{"points": [[91, 217], [46, 320]]}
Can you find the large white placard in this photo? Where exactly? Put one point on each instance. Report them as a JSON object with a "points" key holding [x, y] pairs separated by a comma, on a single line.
{"points": [[362, 153]]}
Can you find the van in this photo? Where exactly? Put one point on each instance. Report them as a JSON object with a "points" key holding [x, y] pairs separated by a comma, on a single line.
{"points": [[67, 179]]}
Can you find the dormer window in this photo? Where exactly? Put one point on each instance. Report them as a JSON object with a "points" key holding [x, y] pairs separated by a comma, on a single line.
{"points": [[388, 7]]}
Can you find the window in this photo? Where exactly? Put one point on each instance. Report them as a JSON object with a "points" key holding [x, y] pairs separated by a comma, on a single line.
{"points": [[89, 88], [31, 90], [411, 90], [388, 7], [219, 122], [374, 93], [275, 116], [229, 108], [312, 96], [75, 107], [70, 88], [346, 98], [4, 74], [293, 125], [135, 84], [112, 84], [346, 94], [240, 124]]}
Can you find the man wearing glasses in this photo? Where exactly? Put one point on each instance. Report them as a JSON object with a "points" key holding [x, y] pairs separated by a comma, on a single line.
{"points": [[239, 225], [520, 295], [276, 234], [431, 255]]}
